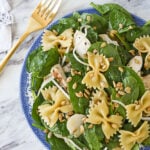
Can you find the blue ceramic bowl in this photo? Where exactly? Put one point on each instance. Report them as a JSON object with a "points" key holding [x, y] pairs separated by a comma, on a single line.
{"points": [[24, 84]]}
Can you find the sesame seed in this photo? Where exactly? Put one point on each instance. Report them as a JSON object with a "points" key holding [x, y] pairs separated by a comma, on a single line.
{"points": [[95, 51], [103, 44], [46, 131], [120, 69], [79, 19], [110, 59], [136, 102], [117, 95], [120, 26], [121, 93], [69, 79], [113, 33], [88, 18], [79, 73], [70, 113], [49, 135], [130, 27], [119, 84], [74, 86], [60, 117], [90, 126], [116, 105], [128, 90], [94, 27], [72, 72], [132, 52], [79, 94]]}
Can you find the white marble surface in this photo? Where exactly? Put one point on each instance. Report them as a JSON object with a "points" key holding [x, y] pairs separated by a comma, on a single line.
{"points": [[15, 133]]}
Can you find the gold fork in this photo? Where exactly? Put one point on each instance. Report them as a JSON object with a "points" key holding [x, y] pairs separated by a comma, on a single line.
{"points": [[40, 18]]}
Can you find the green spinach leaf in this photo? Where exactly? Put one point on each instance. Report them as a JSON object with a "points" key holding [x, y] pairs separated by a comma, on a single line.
{"points": [[130, 72], [109, 50], [80, 141], [93, 139], [35, 83], [115, 15], [60, 128], [95, 21], [57, 143], [133, 84], [117, 18], [113, 142], [136, 147], [80, 104], [40, 62], [106, 8], [92, 35], [124, 55], [131, 35], [31, 56], [35, 115], [147, 142], [121, 110], [75, 64], [129, 79], [66, 23]]}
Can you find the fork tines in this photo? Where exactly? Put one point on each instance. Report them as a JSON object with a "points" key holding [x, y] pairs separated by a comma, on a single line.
{"points": [[47, 8]]}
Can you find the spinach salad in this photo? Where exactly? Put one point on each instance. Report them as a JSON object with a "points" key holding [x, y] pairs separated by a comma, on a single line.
{"points": [[90, 81]]}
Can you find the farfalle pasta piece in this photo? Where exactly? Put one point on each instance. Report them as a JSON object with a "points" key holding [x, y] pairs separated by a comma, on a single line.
{"points": [[135, 111], [99, 96], [98, 62], [99, 114], [128, 139], [142, 44], [49, 93], [94, 78], [147, 61], [51, 40], [50, 113]]}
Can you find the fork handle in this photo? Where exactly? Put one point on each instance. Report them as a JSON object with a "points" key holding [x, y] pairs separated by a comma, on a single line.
{"points": [[11, 51]]}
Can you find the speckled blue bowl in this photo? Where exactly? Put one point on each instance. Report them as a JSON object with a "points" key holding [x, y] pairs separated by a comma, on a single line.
{"points": [[24, 84]]}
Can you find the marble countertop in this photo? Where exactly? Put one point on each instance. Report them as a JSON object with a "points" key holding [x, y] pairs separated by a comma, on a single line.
{"points": [[15, 133]]}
